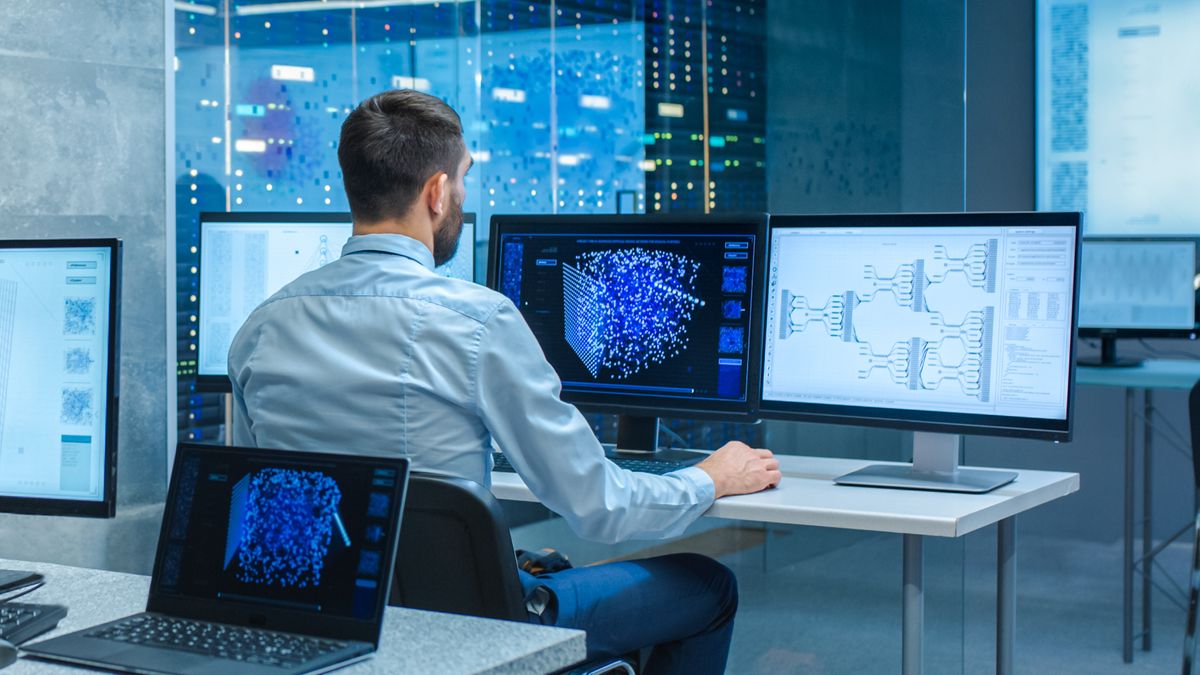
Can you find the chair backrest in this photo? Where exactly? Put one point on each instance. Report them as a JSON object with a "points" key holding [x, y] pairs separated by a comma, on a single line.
{"points": [[456, 553]]}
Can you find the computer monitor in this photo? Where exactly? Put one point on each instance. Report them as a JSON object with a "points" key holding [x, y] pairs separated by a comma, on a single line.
{"points": [[59, 364], [247, 257], [1136, 288], [945, 324], [644, 316]]}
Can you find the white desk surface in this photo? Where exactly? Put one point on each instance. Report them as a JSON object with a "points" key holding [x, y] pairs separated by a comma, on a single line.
{"points": [[808, 496], [1152, 374], [412, 641]]}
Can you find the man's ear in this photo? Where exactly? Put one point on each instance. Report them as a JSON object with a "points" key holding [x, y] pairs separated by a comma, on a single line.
{"points": [[435, 189]]}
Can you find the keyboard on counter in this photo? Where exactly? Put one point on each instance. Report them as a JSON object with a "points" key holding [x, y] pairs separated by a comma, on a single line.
{"points": [[643, 465], [220, 641], [20, 621]]}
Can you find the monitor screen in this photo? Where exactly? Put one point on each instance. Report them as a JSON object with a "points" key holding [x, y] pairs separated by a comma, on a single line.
{"points": [[247, 257], [639, 312], [1137, 286], [944, 321], [1116, 113], [59, 314], [312, 534]]}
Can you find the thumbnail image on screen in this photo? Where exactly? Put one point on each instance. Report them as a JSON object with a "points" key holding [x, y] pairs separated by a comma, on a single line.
{"points": [[244, 262], [54, 360], [294, 536], [947, 319], [1133, 284], [649, 314]]}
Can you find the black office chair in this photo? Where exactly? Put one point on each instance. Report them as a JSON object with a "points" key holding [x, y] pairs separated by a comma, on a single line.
{"points": [[1189, 639], [456, 556]]}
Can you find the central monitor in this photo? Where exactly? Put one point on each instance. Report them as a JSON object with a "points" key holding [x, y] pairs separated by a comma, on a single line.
{"points": [[644, 316], [245, 258], [945, 323], [1136, 288]]}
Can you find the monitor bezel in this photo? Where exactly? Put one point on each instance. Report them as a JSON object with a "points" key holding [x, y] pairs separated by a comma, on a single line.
{"points": [[937, 421], [1092, 332], [107, 505], [282, 619], [738, 411], [220, 384]]}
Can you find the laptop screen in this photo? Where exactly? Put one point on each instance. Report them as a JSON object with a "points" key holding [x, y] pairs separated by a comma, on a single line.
{"points": [[280, 532]]}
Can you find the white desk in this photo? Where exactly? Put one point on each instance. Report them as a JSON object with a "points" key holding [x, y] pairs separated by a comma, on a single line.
{"points": [[808, 496], [412, 641], [1150, 375]]}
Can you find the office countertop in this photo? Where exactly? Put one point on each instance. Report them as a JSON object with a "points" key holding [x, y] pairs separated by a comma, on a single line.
{"points": [[413, 641], [808, 496]]}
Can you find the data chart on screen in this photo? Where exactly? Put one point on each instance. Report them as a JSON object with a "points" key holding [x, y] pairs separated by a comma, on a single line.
{"points": [[971, 320], [54, 360], [1135, 284]]}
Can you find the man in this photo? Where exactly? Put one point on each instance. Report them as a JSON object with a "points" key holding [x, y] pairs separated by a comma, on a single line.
{"points": [[377, 352]]}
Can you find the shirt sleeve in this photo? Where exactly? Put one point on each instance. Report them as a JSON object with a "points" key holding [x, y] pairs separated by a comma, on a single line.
{"points": [[553, 449]]}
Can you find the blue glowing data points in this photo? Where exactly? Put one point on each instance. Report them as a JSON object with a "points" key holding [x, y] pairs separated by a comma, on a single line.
{"points": [[732, 309], [732, 340], [733, 279], [79, 316], [282, 524], [628, 309]]}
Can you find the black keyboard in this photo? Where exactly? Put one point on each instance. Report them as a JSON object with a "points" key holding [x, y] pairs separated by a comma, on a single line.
{"points": [[217, 640], [21, 621], [649, 465]]}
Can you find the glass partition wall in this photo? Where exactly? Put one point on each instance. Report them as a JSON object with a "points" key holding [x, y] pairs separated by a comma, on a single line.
{"points": [[603, 106]]}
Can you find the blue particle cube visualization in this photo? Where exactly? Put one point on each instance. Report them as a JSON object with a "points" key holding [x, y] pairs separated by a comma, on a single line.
{"points": [[625, 310], [733, 279], [732, 340], [282, 523], [732, 309]]}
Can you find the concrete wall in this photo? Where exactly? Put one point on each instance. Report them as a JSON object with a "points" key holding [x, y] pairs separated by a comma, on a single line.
{"points": [[82, 130]]}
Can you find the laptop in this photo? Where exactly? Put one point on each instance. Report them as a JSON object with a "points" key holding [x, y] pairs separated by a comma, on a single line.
{"points": [[268, 561]]}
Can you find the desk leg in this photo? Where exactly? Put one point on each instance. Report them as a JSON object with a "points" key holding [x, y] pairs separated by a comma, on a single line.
{"points": [[914, 604], [1127, 571], [1006, 594], [1147, 521]]}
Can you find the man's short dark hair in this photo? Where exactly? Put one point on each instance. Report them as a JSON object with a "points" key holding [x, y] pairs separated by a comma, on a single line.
{"points": [[391, 145]]}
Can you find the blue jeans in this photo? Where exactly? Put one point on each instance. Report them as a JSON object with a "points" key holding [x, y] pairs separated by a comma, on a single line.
{"points": [[681, 605]]}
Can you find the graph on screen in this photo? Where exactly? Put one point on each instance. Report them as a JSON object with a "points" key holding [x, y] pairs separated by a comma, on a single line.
{"points": [[970, 320]]}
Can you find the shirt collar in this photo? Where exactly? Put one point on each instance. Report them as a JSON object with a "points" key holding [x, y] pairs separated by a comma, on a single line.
{"points": [[394, 244]]}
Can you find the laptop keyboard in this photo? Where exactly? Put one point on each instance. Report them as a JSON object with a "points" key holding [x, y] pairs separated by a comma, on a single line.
{"points": [[654, 466], [21, 621], [218, 640]]}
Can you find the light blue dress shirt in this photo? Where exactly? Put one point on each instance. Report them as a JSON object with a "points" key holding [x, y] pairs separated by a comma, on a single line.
{"points": [[376, 352]]}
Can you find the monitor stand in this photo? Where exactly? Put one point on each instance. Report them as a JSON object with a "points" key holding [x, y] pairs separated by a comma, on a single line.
{"points": [[637, 437], [934, 467], [1108, 356]]}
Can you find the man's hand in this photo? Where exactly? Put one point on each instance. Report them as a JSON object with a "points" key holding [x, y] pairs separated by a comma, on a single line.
{"points": [[738, 469]]}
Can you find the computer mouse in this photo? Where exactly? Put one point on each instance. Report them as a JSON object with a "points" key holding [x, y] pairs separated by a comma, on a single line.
{"points": [[8, 654]]}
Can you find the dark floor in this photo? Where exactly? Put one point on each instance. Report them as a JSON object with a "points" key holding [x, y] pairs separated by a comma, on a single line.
{"points": [[828, 601]]}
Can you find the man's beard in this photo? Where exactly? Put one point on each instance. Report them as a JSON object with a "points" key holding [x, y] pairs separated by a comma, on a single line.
{"points": [[448, 234]]}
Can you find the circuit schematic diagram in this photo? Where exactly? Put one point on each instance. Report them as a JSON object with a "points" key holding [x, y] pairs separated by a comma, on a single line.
{"points": [[283, 524], [955, 344], [628, 309]]}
